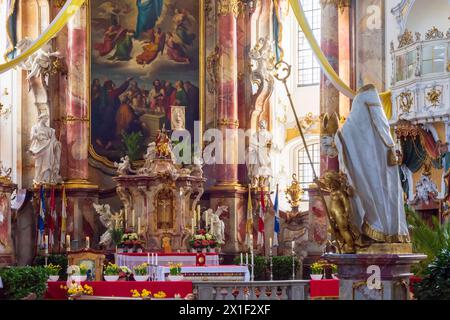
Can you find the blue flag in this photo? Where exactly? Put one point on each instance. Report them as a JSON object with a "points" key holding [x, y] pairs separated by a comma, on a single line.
{"points": [[41, 219], [276, 225]]}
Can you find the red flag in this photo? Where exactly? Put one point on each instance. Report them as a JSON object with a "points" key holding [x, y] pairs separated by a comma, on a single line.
{"points": [[262, 209]]}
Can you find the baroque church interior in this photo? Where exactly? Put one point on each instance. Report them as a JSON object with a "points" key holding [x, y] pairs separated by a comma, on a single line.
{"points": [[225, 150]]}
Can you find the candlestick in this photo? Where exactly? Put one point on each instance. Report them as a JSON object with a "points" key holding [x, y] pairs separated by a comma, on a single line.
{"points": [[293, 245], [87, 243], [126, 219], [148, 258], [193, 226], [271, 264], [46, 244], [156, 260], [133, 216], [153, 258], [198, 215], [246, 258], [293, 264], [139, 226], [270, 243], [252, 275], [242, 260]]}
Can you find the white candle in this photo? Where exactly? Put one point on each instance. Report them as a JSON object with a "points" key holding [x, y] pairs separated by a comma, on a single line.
{"points": [[68, 242], [270, 242], [153, 258], [246, 259], [252, 257], [46, 244], [139, 225], [87, 243], [148, 258], [133, 216], [198, 214], [193, 225], [242, 259], [156, 260], [293, 246]]}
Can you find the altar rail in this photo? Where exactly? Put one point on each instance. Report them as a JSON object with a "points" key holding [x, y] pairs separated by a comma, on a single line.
{"points": [[258, 290]]}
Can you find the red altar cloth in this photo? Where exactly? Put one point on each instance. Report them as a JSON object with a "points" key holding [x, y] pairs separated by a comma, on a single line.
{"points": [[160, 254], [324, 289], [123, 288]]}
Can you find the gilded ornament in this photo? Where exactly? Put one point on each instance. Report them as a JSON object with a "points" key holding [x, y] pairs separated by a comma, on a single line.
{"points": [[212, 67], [340, 4], [5, 174], [294, 193], [227, 7], [434, 34], [406, 101], [229, 122], [405, 39], [434, 97]]}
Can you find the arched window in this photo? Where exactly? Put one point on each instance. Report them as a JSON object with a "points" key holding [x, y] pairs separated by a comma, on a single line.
{"points": [[304, 170], [308, 68]]}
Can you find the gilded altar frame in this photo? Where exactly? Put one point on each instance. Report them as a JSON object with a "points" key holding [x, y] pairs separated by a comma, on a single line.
{"points": [[202, 84]]}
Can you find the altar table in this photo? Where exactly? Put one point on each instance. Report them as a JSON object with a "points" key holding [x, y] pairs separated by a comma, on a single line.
{"points": [[132, 259], [208, 273], [122, 288], [324, 289]]}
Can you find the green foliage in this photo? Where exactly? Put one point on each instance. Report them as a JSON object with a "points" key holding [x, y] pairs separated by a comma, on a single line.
{"points": [[112, 270], [133, 145], [116, 236], [436, 283], [282, 267], [430, 240], [55, 259], [20, 282]]}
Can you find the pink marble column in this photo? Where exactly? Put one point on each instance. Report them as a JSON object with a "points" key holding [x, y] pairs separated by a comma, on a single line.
{"points": [[329, 95], [7, 257], [80, 192]]}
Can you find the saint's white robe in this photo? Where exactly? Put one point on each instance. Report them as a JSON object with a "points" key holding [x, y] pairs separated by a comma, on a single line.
{"points": [[363, 141]]}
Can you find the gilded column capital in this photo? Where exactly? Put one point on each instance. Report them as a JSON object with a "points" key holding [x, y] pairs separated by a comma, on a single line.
{"points": [[340, 4], [234, 7]]}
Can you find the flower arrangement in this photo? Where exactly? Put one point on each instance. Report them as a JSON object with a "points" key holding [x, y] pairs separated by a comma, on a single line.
{"points": [[131, 240], [317, 268], [125, 270], [53, 269], [141, 270], [82, 270], [76, 289], [112, 270], [202, 239], [145, 294], [175, 268], [160, 295]]}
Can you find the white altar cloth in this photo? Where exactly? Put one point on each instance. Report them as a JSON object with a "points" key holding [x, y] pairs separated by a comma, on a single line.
{"points": [[189, 259], [208, 273]]}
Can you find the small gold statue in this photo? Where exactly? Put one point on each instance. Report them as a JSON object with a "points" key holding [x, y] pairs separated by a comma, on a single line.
{"points": [[163, 149], [340, 209], [167, 248], [294, 193]]}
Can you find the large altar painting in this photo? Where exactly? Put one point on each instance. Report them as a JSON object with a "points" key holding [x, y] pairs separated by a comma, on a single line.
{"points": [[145, 59]]}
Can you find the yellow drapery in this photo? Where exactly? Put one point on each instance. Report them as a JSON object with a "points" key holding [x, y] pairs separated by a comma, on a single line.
{"points": [[325, 64], [66, 12]]}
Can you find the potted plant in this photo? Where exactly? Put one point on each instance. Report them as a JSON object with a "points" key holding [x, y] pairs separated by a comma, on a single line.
{"points": [[141, 272], [112, 272], [316, 271], [334, 271], [203, 241], [53, 272], [175, 272], [78, 273]]}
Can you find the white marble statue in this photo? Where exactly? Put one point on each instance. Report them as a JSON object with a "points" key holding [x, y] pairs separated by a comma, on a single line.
{"points": [[124, 166], [46, 150], [197, 167], [105, 214], [217, 228], [259, 156], [425, 188], [367, 156]]}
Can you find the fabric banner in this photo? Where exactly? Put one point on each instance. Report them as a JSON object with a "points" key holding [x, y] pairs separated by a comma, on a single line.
{"points": [[69, 9]]}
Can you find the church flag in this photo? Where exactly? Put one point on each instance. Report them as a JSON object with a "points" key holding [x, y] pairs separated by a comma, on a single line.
{"points": [[51, 219], [262, 209], [41, 218], [63, 218], [249, 225], [276, 225]]}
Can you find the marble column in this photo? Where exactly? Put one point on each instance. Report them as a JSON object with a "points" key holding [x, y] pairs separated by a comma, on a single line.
{"points": [[7, 256], [80, 192], [227, 190], [329, 95]]}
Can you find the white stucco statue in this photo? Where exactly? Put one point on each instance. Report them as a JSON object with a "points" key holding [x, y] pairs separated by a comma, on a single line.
{"points": [[124, 166], [46, 150], [39, 61], [110, 222], [367, 156], [217, 225], [259, 155]]}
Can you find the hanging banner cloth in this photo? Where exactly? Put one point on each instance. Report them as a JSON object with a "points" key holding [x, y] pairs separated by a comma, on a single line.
{"points": [[325, 64], [69, 9]]}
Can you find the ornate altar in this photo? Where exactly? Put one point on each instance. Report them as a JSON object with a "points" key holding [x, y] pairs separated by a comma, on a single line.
{"points": [[160, 198]]}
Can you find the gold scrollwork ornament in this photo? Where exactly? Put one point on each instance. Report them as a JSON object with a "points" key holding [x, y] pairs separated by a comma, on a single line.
{"points": [[406, 101], [434, 97], [294, 193]]}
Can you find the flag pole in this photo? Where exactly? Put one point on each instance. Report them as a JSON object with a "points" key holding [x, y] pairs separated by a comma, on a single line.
{"points": [[282, 72]]}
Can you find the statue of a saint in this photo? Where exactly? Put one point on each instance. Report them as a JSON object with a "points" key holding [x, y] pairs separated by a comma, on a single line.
{"points": [[217, 228], [366, 156], [259, 157], [46, 150]]}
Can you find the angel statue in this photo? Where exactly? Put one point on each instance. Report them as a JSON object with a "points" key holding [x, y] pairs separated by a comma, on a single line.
{"points": [[148, 157], [217, 225], [109, 220], [124, 166]]}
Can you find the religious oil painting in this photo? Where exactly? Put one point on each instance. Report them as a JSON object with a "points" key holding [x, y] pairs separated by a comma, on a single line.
{"points": [[145, 62]]}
